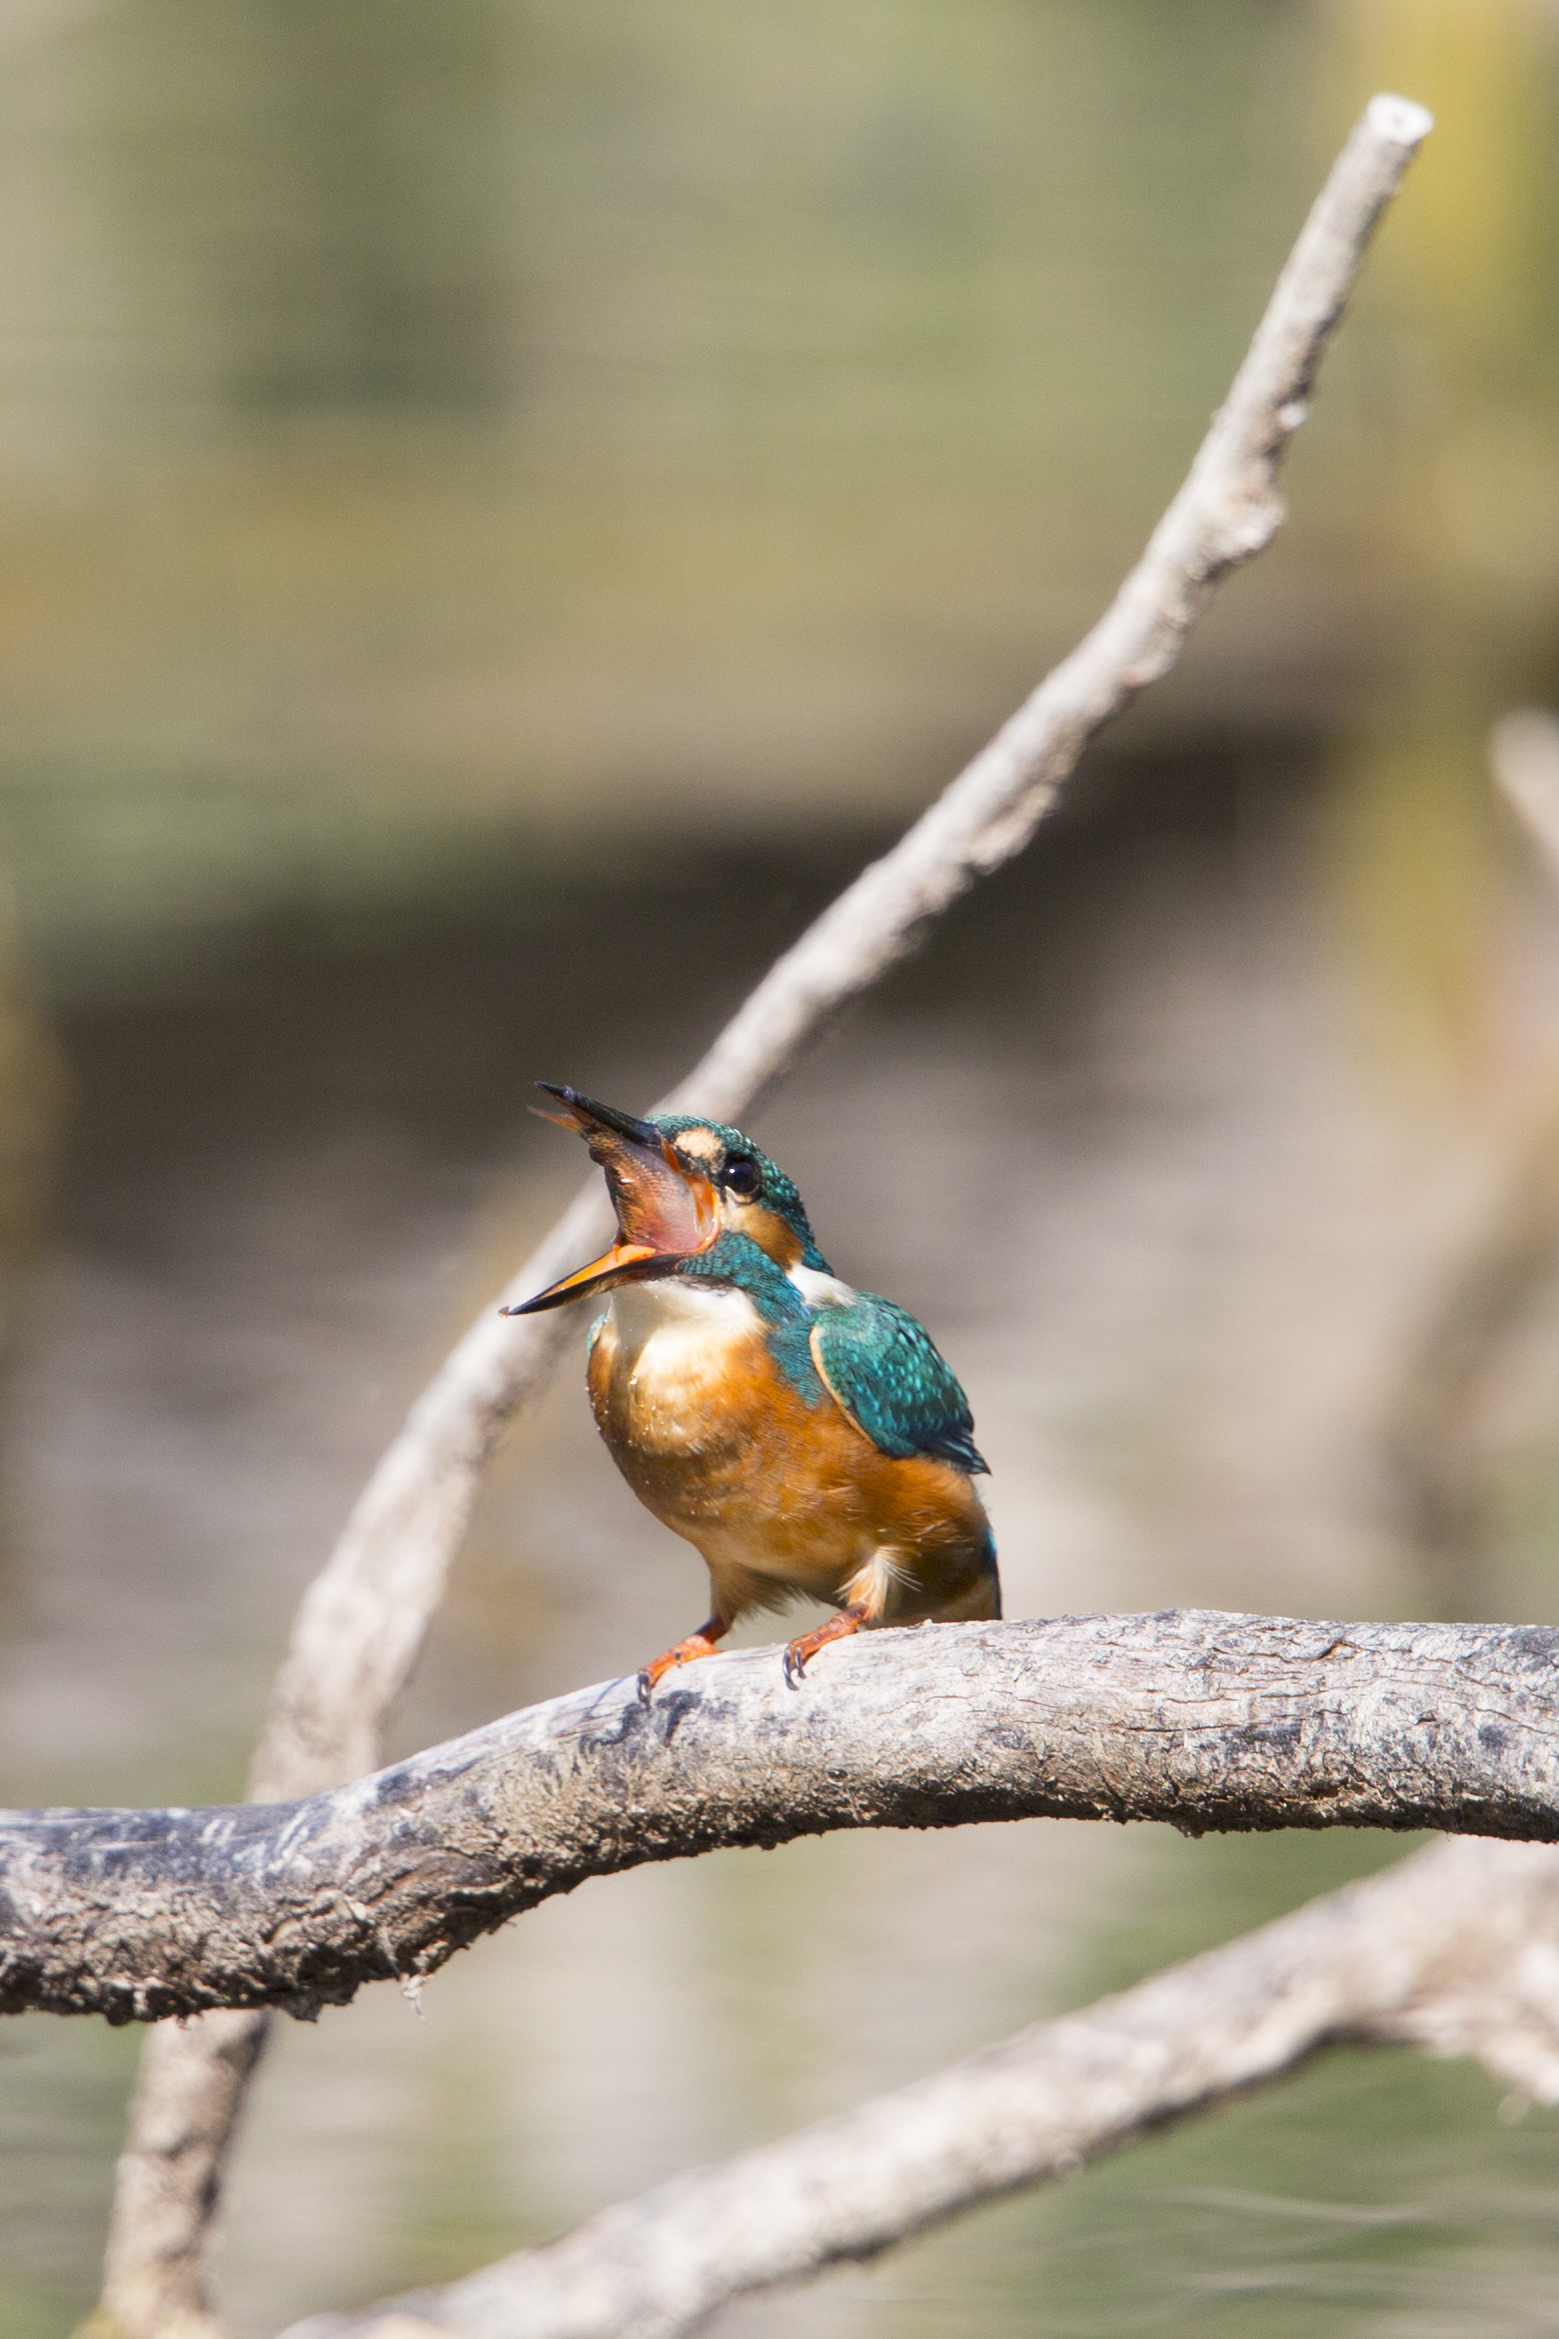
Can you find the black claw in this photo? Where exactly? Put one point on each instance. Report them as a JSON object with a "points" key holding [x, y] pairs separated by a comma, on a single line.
{"points": [[795, 1669], [646, 1686]]}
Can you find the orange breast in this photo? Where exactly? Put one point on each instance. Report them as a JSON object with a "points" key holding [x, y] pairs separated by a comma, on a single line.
{"points": [[778, 1494]]}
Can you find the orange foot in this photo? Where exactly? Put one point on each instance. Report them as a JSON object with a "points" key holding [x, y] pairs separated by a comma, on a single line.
{"points": [[838, 1628], [697, 1644]]}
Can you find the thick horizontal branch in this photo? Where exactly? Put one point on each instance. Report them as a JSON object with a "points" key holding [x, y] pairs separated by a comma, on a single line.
{"points": [[1455, 1950], [1203, 1720]]}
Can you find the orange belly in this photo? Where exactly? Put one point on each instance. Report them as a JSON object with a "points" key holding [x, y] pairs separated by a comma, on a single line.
{"points": [[781, 1496]]}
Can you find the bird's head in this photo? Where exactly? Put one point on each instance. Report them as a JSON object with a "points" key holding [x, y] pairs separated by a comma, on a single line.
{"points": [[677, 1185]]}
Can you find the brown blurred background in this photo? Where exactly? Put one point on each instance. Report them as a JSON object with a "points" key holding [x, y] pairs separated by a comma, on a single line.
{"points": [[502, 506]]}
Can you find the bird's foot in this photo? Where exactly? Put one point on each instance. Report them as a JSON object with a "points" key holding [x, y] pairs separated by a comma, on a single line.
{"points": [[800, 1652], [697, 1644]]}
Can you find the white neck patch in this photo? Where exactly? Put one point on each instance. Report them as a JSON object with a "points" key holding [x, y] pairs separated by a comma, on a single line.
{"points": [[820, 1290]]}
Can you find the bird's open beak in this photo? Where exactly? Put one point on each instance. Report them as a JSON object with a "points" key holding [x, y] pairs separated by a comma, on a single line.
{"points": [[666, 1211]]}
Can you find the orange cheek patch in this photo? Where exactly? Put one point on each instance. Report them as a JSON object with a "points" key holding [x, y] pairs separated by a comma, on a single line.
{"points": [[767, 1229]]}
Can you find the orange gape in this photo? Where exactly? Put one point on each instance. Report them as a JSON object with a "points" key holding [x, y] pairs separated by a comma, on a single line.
{"points": [[661, 1204], [664, 1213], [656, 1202]]}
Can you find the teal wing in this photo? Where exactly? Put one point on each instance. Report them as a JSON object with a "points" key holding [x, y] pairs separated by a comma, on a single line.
{"points": [[884, 1370]]}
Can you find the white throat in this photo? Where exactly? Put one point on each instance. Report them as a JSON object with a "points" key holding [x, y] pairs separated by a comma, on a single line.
{"points": [[679, 1304], [687, 1308]]}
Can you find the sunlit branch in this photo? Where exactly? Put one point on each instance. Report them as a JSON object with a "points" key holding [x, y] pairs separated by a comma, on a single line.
{"points": [[1203, 1720]]}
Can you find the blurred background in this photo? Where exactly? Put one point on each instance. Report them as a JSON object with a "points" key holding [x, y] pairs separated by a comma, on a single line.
{"points": [[503, 506]]}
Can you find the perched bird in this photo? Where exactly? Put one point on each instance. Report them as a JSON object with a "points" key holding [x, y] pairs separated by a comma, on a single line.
{"points": [[806, 1438]]}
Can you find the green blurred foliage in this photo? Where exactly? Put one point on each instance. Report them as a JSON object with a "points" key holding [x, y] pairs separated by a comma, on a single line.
{"points": [[433, 438]]}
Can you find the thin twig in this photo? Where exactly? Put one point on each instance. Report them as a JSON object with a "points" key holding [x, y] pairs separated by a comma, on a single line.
{"points": [[1457, 1949], [1206, 1721], [363, 1620]]}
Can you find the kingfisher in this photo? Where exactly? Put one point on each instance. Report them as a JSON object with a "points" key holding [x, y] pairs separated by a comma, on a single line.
{"points": [[804, 1437]]}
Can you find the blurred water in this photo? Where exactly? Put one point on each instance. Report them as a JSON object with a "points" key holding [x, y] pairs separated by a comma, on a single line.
{"points": [[1121, 1139]]}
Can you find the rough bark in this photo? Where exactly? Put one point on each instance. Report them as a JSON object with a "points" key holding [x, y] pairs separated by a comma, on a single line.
{"points": [[1206, 1721], [1457, 1950], [362, 1623]]}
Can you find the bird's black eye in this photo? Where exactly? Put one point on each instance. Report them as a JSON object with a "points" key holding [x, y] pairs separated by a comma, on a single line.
{"points": [[742, 1176]]}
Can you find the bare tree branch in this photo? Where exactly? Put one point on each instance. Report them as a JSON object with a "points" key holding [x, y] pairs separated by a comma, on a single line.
{"points": [[163, 2208], [362, 1622], [1457, 1949], [1207, 1721]]}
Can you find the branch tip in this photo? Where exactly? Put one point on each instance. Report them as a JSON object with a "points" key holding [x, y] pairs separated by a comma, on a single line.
{"points": [[1401, 119]]}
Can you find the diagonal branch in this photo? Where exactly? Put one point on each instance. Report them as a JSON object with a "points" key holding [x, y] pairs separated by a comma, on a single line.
{"points": [[362, 1622], [1457, 1949], [1206, 1721]]}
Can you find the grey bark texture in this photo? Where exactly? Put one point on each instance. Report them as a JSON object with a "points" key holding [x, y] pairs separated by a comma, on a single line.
{"points": [[362, 1622], [1456, 1950], [1203, 1720]]}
